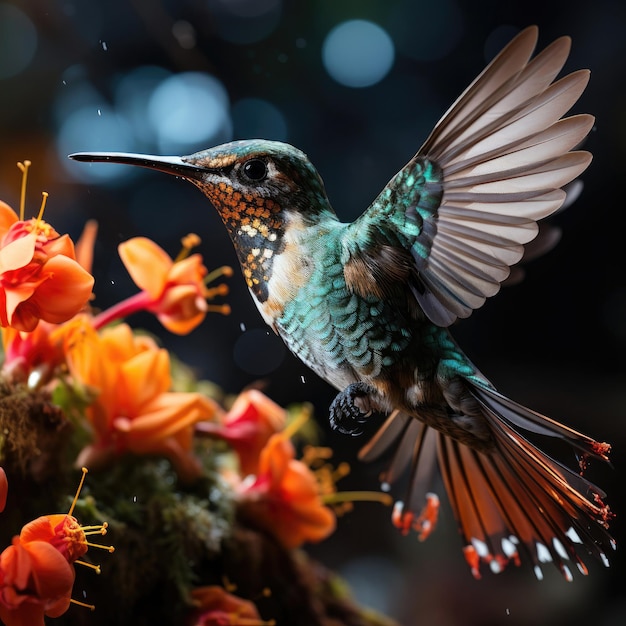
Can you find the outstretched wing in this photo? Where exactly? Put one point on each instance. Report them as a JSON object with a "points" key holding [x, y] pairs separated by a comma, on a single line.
{"points": [[458, 215]]}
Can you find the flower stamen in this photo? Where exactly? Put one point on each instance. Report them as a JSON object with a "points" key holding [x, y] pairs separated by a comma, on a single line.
{"points": [[189, 242], [109, 549], [44, 199], [297, 422], [84, 470], [223, 309], [24, 169], [357, 496], [96, 568], [98, 529], [91, 607], [226, 271]]}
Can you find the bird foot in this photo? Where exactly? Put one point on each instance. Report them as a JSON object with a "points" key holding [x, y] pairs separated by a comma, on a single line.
{"points": [[351, 408]]}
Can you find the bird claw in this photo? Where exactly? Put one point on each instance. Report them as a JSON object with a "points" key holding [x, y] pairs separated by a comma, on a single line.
{"points": [[345, 415]]}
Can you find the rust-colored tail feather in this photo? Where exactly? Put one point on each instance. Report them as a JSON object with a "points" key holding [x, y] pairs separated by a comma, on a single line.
{"points": [[513, 500]]}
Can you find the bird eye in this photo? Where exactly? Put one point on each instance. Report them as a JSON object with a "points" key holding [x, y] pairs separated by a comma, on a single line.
{"points": [[255, 169]]}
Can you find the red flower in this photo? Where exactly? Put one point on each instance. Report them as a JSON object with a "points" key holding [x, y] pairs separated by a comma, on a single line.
{"points": [[284, 498], [247, 427], [40, 278]]}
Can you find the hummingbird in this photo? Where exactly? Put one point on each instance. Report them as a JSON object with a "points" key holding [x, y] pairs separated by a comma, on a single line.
{"points": [[368, 305]]}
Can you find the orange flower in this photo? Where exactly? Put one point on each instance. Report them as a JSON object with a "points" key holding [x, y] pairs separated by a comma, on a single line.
{"points": [[35, 580], [175, 291], [251, 421], [36, 573], [284, 498], [217, 607], [39, 275], [33, 356], [133, 411]]}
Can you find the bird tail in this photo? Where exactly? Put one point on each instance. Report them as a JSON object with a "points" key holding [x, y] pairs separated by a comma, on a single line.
{"points": [[514, 499]]}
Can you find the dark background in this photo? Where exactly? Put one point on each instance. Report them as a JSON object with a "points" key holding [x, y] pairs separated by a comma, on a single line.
{"points": [[70, 81]]}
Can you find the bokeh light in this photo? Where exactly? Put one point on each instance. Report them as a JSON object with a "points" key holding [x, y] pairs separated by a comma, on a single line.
{"points": [[133, 93], [358, 53], [189, 111], [18, 40], [91, 128]]}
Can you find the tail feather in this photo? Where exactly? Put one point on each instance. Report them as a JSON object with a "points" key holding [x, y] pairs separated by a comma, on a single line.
{"points": [[527, 419], [414, 446], [512, 499]]}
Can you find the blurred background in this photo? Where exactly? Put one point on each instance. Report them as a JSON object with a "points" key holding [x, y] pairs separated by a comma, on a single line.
{"points": [[357, 85]]}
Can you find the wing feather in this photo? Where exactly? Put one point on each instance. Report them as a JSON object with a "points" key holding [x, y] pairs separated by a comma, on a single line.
{"points": [[495, 164]]}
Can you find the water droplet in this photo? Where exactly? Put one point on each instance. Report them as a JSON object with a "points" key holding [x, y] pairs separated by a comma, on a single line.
{"points": [[99, 113], [104, 45], [242, 327], [303, 379]]}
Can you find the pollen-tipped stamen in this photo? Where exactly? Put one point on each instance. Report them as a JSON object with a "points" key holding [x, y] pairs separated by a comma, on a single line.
{"points": [[91, 607], [84, 470], [109, 549], [96, 568], [24, 169], [44, 199], [357, 496], [224, 270], [223, 309], [97, 529], [189, 242]]}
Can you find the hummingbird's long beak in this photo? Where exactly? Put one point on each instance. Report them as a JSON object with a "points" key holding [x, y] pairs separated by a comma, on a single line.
{"points": [[168, 164]]}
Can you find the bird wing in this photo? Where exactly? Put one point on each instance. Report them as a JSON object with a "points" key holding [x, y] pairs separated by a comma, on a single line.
{"points": [[458, 215]]}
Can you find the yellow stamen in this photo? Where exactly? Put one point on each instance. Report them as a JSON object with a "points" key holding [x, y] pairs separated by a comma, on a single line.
{"points": [[24, 169], [224, 309], [297, 422], [225, 270], [188, 242], [357, 496], [109, 549], [98, 529], [218, 290], [80, 486], [91, 607], [44, 198], [96, 568]]}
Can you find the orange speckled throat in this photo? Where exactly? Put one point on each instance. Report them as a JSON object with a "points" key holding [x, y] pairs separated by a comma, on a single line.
{"points": [[256, 225]]}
